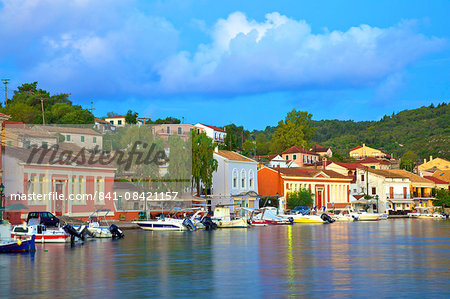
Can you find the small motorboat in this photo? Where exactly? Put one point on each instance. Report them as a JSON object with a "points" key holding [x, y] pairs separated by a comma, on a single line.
{"points": [[269, 217], [222, 217], [8, 245], [167, 224], [343, 216], [43, 235]]}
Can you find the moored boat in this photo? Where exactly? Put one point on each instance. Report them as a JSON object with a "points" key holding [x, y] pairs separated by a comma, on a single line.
{"points": [[8, 245], [223, 219], [43, 235], [166, 224]]}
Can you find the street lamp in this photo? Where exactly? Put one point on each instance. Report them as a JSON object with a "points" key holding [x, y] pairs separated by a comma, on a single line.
{"points": [[278, 203], [376, 197]]}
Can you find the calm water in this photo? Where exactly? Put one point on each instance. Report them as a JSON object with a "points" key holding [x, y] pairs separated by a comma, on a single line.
{"points": [[391, 258]]}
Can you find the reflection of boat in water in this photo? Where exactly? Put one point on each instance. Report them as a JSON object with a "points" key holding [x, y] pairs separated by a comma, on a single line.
{"points": [[10, 245], [223, 219], [43, 235], [424, 213]]}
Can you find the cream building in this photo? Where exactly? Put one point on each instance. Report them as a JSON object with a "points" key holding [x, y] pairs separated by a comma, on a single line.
{"points": [[364, 151]]}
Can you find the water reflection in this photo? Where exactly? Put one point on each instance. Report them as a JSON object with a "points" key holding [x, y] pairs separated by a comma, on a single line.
{"points": [[389, 258]]}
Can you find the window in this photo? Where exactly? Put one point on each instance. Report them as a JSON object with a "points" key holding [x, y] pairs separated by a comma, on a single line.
{"points": [[362, 178], [251, 179], [287, 157], [9, 143], [304, 160], [243, 179], [234, 182], [44, 144], [82, 138], [180, 131], [111, 122], [27, 144], [94, 139], [235, 178], [67, 137], [294, 157], [373, 166], [374, 190], [119, 122], [168, 130]]}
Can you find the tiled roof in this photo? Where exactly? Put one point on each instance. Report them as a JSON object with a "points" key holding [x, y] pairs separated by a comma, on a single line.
{"points": [[115, 116], [436, 180], [412, 177], [385, 173], [4, 115], [350, 166], [355, 148], [368, 160], [233, 156], [70, 130], [28, 132], [442, 175], [99, 120], [298, 149], [214, 128], [310, 172], [320, 149]]}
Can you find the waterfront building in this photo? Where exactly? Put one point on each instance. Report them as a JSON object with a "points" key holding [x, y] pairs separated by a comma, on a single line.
{"points": [[393, 190], [438, 183], [59, 186], [164, 131], [300, 155], [236, 175], [116, 120], [217, 134], [443, 175], [364, 151], [330, 188]]}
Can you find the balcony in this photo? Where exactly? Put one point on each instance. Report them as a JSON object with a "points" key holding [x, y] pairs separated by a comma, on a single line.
{"points": [[397, 196]]}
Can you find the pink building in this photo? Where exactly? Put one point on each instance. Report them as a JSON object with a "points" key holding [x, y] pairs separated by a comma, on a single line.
{"points": [[300, 156]]}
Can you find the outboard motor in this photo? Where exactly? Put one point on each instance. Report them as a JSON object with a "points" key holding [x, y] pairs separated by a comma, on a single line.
{"points": [[208, 223], [291, 219], [327, 218], [85, 231], [189, 224], [73, 233], [116, 232]]}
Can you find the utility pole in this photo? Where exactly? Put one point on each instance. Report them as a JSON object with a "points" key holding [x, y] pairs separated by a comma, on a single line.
{"points": [[92, 108], [144, 119], [6, 81], [42, 105]]}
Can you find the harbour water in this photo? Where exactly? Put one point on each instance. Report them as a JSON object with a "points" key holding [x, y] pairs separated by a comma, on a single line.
{"points": [[402, 257]]}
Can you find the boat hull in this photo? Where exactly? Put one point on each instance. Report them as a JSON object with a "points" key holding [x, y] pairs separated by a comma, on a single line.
{"points": [[55, 238], [150, 225], [236, 223], [18, 246], [305, 218]]}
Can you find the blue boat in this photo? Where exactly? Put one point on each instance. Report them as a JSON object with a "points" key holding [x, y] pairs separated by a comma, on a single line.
{"points": [[7, 246]]}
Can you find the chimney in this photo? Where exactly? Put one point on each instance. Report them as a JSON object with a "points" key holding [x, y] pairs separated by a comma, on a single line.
{"points": [[431, 158], [424, 161], [324, 163], [364, 145]]}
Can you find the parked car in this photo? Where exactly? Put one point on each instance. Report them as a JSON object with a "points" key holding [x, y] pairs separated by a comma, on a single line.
{"points": [[46, 218], [300, 210]]}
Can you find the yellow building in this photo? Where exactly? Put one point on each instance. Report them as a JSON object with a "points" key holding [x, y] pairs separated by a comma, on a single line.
{"points": [[437, 163], [364, 151], [420, 190]]}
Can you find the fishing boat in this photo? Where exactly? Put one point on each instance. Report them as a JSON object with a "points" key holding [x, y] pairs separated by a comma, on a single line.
{"points": [[222, 217], [43, 235], [8, 245]]}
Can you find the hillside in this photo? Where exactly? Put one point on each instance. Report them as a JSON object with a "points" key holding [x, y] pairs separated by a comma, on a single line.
{"points": [[425, 131]]}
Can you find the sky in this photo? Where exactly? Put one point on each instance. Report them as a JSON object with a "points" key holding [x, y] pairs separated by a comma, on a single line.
{"points": [[221, 62]]}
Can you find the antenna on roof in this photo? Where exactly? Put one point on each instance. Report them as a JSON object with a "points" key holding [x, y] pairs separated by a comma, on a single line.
{"points": [[6, 81], [92, 107]]}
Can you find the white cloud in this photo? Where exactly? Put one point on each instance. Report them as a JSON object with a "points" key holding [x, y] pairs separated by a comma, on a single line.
{"points": [[280, 53]]}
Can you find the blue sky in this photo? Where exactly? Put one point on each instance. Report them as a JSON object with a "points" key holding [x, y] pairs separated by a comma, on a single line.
{"points": [[246, 62]]}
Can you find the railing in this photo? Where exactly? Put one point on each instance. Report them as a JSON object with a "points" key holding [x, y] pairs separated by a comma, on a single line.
{"points": [[396, 196]]}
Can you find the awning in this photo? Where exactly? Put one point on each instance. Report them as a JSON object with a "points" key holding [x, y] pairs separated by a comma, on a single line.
{"points": [[401, 201]]}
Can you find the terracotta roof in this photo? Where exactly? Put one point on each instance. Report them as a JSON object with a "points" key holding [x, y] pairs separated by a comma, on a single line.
{"points": [[412, 177], [355, 148], [309, 172], [4, 115], [99, 120], [298, 149], [70, 130], [368, 160], [385, 173], [116, 116], [436, 180], [214, 128], [320, 149], [233, 156], [350, 166], [442, 175]]}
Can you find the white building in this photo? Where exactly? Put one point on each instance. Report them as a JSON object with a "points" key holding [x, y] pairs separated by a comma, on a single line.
{"points": [[278, 161], [116, 120], [218, 135], [393, 189], [235, 175]]}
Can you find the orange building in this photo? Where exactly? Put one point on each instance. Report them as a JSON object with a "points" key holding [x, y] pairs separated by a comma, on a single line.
{"points": [[330, 188]]}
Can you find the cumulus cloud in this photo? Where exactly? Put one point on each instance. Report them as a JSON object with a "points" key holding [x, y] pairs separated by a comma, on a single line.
{"points": [[105, 48], [281, 53]]}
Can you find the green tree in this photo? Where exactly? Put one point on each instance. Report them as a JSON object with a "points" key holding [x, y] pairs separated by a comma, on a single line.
{"points": [[408, 160], [295, 130], [203, 162], [180, 163], [248, 148], [131, 117], [442, 198], [302, 197]]}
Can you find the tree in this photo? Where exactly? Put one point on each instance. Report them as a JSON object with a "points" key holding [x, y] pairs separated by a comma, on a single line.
{"points": [[131, 117], [248, 148], [442, 198], [180, 163], [203, 162], [407, 162], [302, 197], [167, 120], [295, 130]]}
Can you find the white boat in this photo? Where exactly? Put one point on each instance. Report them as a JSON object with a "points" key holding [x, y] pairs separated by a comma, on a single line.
{"points": [[299, 218], [343, 216], [95, 229], [163, 223], [223, 219], [366, 216], [43, 235], [426, 215]]}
